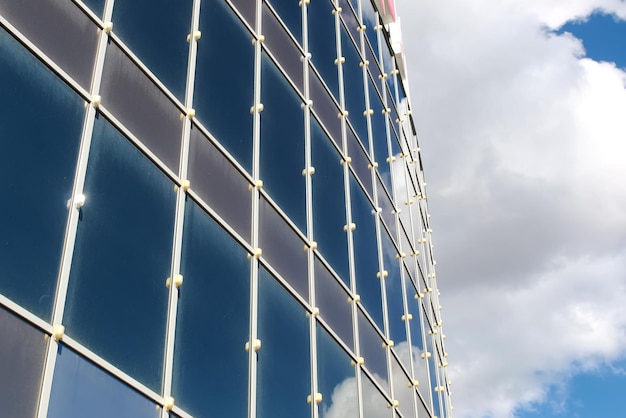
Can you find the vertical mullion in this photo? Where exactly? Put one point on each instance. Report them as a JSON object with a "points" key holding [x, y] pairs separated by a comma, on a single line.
{"points": [[309, 208], [73, 215], [180, 209], [254, 233]]}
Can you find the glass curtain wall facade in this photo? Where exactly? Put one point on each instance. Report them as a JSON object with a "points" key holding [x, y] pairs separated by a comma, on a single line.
{"points": [[212, 208]]}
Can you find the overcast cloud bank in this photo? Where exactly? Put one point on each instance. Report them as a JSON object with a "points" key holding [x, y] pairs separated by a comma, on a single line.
{"points": [[523, 140]]}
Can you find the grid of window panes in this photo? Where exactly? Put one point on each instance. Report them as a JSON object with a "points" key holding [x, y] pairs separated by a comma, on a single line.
{"points": [[212, 208]]}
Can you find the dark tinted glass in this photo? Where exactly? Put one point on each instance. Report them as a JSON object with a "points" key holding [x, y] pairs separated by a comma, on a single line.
{"points": [[117, 297], [22, 352], [334, 304], [210, 363], [290, 13], [225, 53], [372, 349], [360, 163], [60, 29], [247, 9], [168, 61], [353, 86], [81, 389], [335, 379], [349, 18], [283, 249], [370, 21], [97, 6], [325, 108], [37, 163], [379, 132], [366, 253], [282, 47], [139, 104], [283, 360], [329, 207], [219, 183], [393, 286], [321, 25], [384, 202], [282, 143]]}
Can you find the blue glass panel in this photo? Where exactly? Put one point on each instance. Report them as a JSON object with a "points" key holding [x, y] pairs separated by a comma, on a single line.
{"points": [[335, 379], [37, 163], [379, 131], [219, 183], [291, 14], [117, 298], [349, 17], [384, 201], [225, 53], [353, 86], [283, 248], [141, 106], [370, 21], [60, 30], [210, 363], [81, 389], [321, 25], [22, 353], [282, 143], [325, 108], [372, 349], [366, 253], [282, 47], [284, 380], [393, 286], [334, 303], [329, 208], [97, 6], [163, 50], [360, 162]]}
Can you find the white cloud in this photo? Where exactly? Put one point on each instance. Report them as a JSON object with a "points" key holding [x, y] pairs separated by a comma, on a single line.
{"points": [[523, 146]]}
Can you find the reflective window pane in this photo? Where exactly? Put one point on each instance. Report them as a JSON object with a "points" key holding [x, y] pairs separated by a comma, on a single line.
{"points": [[22, 353], [282, 47], [282, 144], [321, 25], [374, 403], [117, 298], [37, 164], [334, 304], [353, 86], [372, 349], [247, 9], [350, 19], [325, 108], [388, 216], [225, 53], [219, 183], [82, 389], [366, 252], [291, 13], [97, 6], [284, 380], [393, 287], [335, 379], [139, 104], [402, 388], [329, 207], [168, 61], [214, 304], [283, 249], [360, 163], [60, 29]]}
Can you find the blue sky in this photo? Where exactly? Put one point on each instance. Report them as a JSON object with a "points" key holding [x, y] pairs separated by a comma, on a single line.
{"points": [[523, 139], [603, 36]]}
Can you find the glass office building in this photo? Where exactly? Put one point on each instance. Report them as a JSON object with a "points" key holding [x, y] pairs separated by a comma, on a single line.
{"points": [[213, 208]]}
